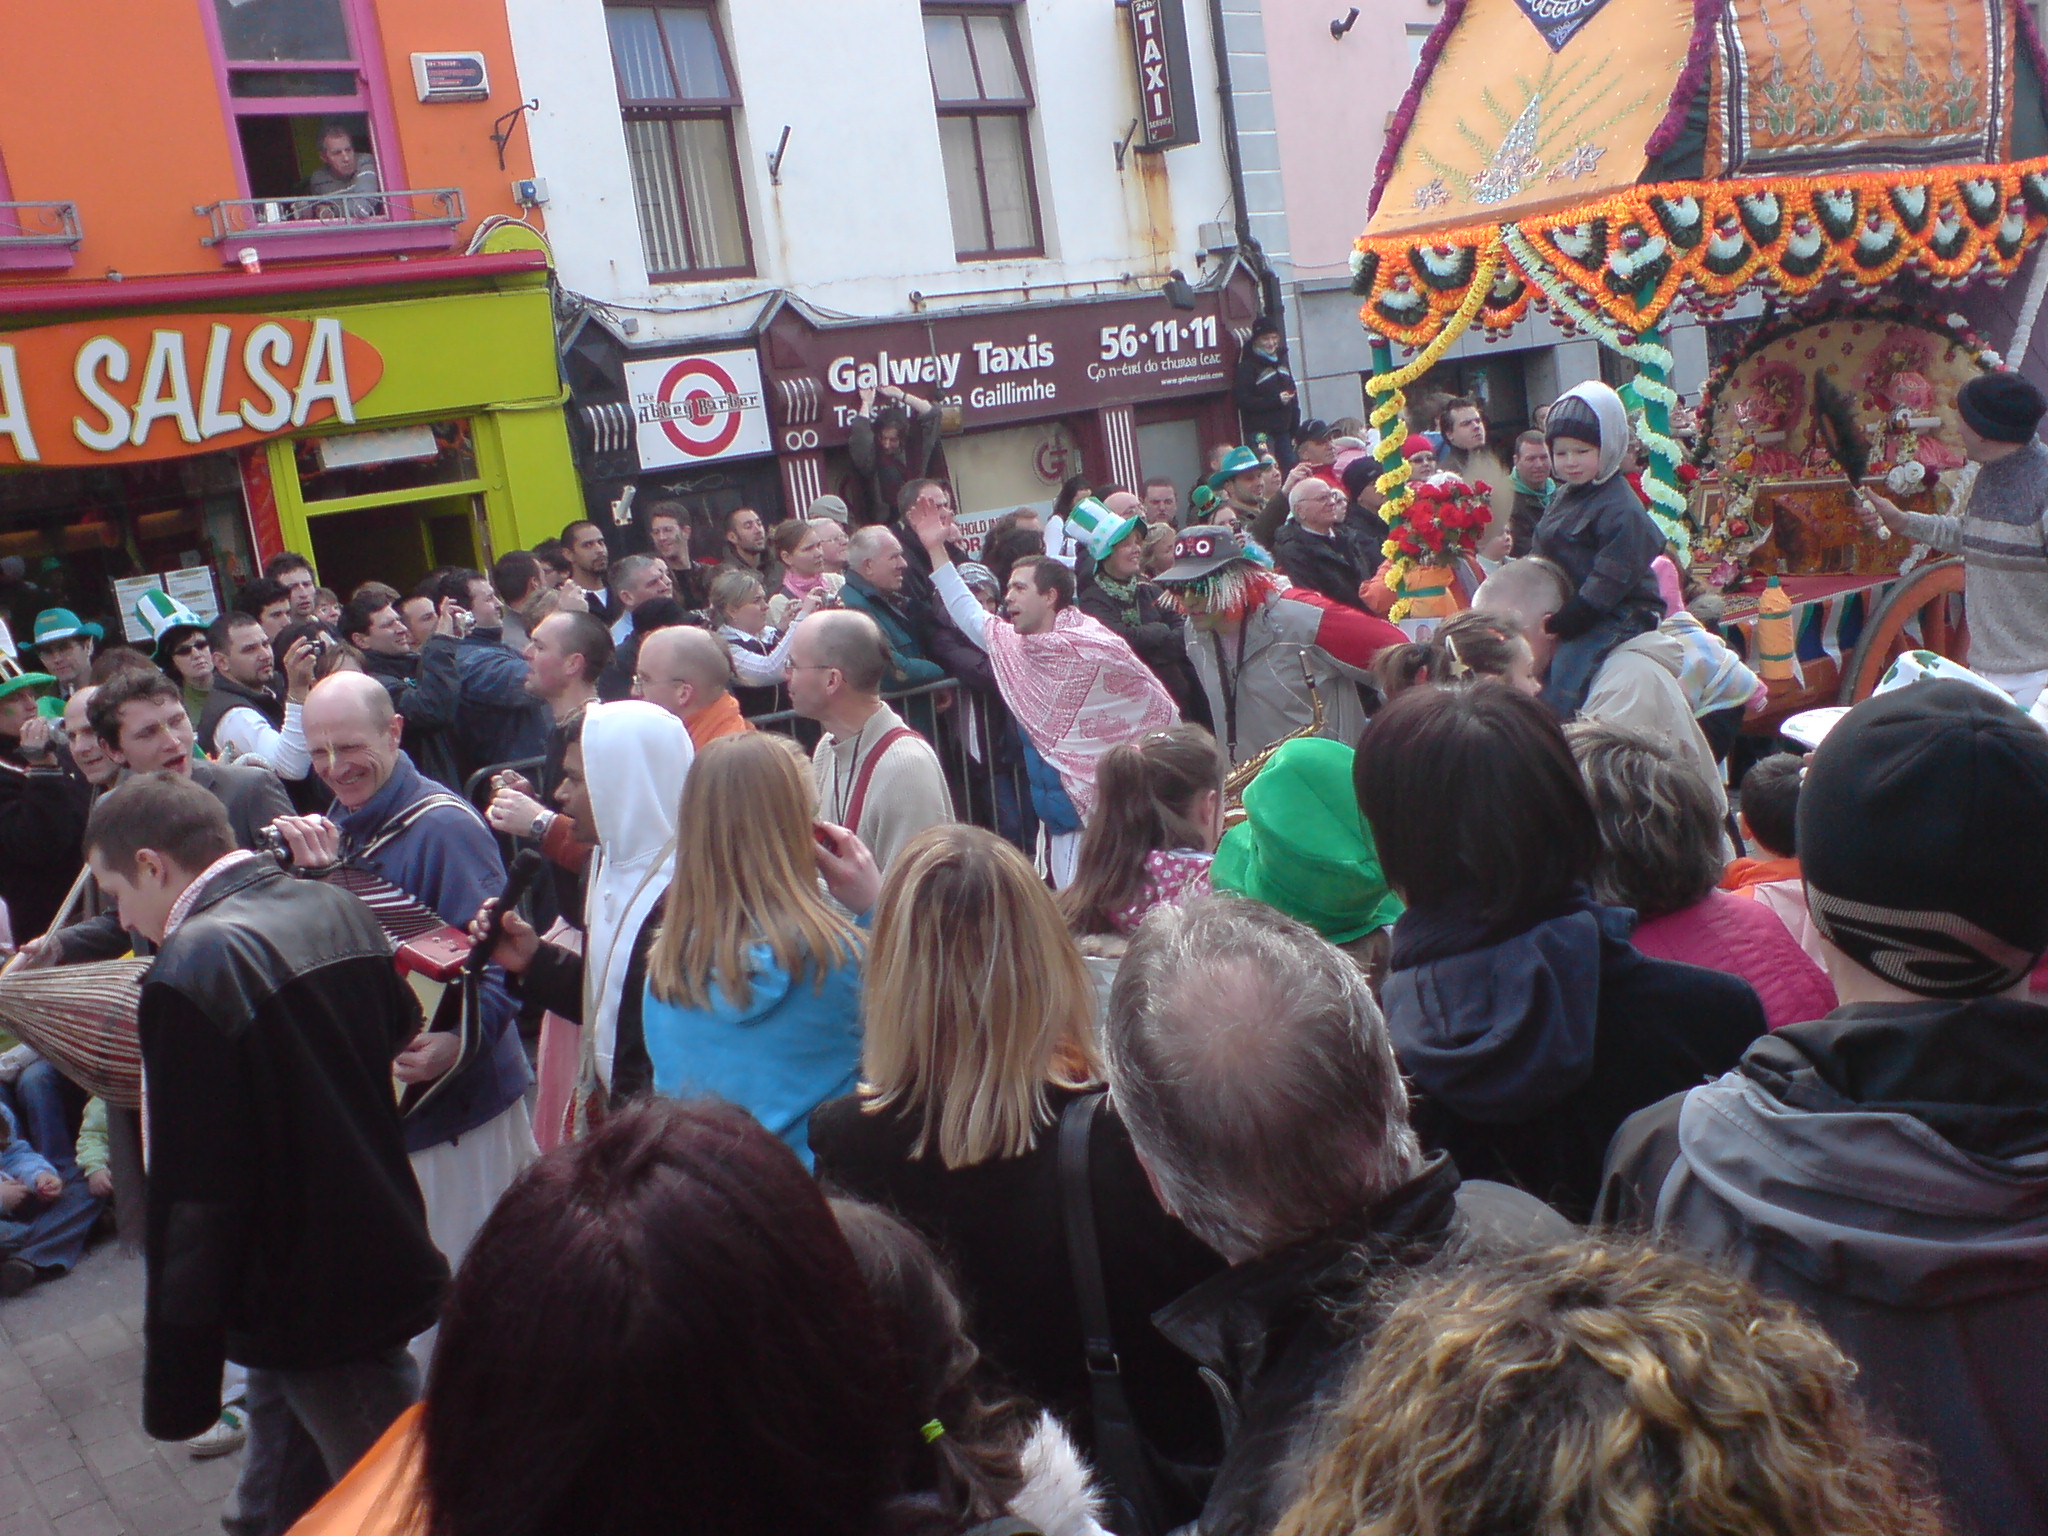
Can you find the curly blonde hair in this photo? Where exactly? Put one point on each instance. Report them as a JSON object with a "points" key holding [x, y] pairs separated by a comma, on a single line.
{"points": [[1603, 1390]]}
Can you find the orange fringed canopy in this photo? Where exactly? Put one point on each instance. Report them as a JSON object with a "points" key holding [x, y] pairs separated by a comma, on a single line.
{"points": [[1628, 153]]}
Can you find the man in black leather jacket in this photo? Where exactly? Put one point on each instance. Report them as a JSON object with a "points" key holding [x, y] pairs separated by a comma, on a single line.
{"points": [[286, 1231]]}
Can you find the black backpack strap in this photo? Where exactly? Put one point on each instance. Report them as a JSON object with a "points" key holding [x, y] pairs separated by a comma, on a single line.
{"points": [[1135, 1505]]}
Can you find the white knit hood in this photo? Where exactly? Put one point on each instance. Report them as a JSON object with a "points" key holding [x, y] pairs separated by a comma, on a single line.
{"points": [[1613, 418], [635, 758]]}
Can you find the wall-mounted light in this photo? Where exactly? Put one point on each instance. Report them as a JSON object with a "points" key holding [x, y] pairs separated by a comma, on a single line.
{"points": [[1124, 145], [1339, 28], [1177, 291], [501, 130], [775, 159]]}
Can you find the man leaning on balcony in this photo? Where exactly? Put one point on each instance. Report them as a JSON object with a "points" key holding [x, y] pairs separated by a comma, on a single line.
{"points": [[343, 170]]}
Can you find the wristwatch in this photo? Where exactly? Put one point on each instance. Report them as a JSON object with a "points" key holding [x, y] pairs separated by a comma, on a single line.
{"points": [[540, 826]]}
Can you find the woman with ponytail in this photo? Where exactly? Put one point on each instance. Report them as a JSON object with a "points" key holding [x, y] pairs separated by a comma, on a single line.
{"points": [[1158, 814], [976, 1453], [1472, 647]]}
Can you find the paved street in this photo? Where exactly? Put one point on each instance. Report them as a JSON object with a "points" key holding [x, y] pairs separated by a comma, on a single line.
{"points": [[73, 1457]]}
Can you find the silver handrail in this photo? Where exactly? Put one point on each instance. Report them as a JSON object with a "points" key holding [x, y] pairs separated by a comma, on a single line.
{"points": [[237, 218], [40, 223]]}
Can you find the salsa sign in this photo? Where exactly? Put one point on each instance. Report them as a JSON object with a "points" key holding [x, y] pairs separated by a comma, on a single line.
{"points": [[160, 386]]}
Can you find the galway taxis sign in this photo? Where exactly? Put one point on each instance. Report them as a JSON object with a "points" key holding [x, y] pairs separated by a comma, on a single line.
{"points": [[160, 386]]}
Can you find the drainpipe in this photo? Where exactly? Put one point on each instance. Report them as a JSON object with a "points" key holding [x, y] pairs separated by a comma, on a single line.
{"points": [[1248, 247]]}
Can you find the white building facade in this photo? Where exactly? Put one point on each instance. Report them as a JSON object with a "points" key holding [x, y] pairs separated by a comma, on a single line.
{"points": [[756, 206]]}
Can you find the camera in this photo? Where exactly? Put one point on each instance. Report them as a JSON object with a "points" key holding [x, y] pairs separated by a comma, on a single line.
{"points": [[465, 621], [271, 841]]}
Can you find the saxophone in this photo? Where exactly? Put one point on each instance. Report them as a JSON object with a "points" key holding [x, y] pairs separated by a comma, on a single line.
{"points": [[1235, 782]]}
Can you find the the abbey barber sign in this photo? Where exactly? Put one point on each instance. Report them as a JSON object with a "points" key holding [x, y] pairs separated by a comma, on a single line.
{"points": [[996, 367], [158, 386]]}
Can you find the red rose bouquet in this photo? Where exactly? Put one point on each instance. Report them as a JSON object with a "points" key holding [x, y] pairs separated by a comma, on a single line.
{"points": [[1445, 520]]}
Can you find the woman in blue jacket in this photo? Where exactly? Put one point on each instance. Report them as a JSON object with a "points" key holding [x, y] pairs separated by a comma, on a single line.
{"points": [[753, 982]]}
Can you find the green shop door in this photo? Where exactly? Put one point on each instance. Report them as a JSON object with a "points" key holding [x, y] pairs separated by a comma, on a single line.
{"points": [[396, 545], [388, 504]]}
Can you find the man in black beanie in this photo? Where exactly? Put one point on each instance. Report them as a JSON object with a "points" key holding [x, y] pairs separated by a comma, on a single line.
{"points": [[1886, 1167], [2001, 532]]}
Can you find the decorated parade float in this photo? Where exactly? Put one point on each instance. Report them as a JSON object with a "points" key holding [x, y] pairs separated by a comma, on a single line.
{"points": [[1872, 170]]}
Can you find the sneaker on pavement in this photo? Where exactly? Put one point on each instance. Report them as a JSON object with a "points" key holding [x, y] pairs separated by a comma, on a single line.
{"points": [[229, 1431]]}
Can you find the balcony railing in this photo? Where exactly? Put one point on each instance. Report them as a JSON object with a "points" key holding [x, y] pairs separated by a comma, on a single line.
{"points": [[38, 236], [25, 224], [334, 223]]}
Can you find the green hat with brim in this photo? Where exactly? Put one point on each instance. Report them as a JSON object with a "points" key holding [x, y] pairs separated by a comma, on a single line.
{"points": [[12, 683], [1239, 461], [63, 624], [1303, 848]]}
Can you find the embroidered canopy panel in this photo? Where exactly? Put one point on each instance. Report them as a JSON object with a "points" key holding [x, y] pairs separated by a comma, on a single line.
{"points": [[1531, 105], [1809, 85]]}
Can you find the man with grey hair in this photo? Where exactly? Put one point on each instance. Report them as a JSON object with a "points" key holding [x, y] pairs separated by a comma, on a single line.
{"points": [[1636, 687], [876, 573], [635, 580], [1254, 1072], [1316, 549]]}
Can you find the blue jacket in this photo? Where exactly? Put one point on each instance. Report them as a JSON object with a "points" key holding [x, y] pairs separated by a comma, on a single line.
{"points": [[792, 1048], [909, 664], [1529, 1043], [1048, 792], [449, 861], [18, 1160], [496, 719]]}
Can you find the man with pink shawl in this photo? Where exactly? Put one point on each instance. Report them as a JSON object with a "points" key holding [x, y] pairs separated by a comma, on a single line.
{"points": [[1075, 687]]}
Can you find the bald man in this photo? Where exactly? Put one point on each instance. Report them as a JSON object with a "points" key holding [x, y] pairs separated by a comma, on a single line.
{"points": [[688, 672], [873, 773], [470, 1139]]}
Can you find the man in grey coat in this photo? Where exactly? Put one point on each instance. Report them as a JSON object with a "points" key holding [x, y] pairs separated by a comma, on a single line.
{"points": [[1266, 652], [1886, 1167]]}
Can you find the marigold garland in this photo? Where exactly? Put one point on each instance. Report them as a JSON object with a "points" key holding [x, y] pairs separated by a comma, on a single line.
{"points": [[1387, 387], [1654, 360], [1632, 255]]}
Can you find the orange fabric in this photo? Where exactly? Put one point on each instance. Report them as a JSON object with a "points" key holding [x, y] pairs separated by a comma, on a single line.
{"points": [[1741, 874], [1828, 91], [377, 1495], [716, 720], [1506, 128]]}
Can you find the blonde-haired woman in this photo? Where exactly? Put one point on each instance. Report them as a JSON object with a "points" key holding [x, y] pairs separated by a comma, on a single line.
{"points": [[979, 1021], [753, 981]]}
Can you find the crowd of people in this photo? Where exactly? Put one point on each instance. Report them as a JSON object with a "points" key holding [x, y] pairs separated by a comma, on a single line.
{"points": [[1101, 1031]]}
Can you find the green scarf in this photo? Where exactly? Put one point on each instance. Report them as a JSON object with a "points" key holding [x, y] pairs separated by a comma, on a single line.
{"points": [[1123, 593], [1549, 486]]}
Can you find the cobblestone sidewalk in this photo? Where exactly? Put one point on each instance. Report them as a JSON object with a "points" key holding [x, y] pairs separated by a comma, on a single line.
{"points": [[73, 1458]]}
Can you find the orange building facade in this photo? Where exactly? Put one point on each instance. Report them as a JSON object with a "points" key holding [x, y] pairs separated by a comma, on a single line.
{"points": [[271, 277]]}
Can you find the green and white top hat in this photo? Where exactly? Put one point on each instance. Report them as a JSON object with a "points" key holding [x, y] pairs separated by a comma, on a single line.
{"points": [[1093, 524], [160, 613]]}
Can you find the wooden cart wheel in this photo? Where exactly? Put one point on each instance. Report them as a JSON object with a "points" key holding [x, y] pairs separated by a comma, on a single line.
{"points": [[1926, 593]]}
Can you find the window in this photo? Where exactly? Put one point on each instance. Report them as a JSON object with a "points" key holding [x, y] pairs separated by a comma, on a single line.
{"points": [[984, 101], [298, 91], [676, 92], [1418, 34]]}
